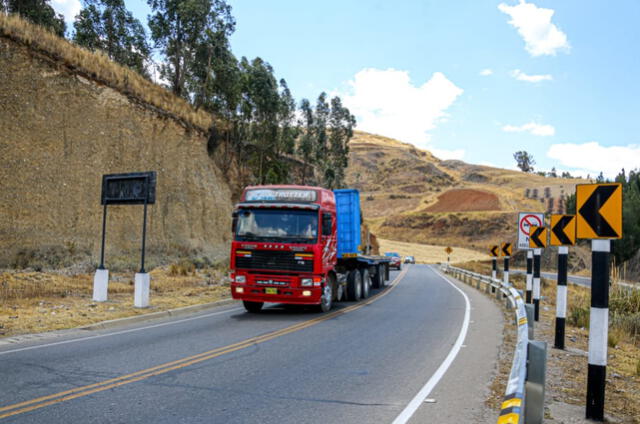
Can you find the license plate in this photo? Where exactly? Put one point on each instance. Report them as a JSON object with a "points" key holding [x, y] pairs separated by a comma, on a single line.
{"points": [[271, 290]]}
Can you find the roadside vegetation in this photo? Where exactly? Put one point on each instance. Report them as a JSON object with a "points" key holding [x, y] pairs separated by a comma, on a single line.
{"points": [[34, 302], [238, 102]]}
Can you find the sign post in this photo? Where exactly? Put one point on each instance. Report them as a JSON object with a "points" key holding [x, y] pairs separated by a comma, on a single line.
{"points": [[563, 234], [137, 188], [448, 251], [494, 251], [537, 241], [507, 248], [529, 275], [599, 218]]}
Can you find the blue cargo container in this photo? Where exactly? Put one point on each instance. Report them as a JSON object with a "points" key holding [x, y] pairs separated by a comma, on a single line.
{"points": [[348, 220]]}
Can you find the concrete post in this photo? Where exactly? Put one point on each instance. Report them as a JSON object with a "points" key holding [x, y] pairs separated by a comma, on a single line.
{"points": [[101, 285]]}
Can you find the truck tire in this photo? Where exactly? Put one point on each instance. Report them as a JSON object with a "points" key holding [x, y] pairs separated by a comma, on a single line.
{"points": [[253, 307], [366, 283], [377, 280], [354, 285], [386, 272], [326, 300], [382, 275]]}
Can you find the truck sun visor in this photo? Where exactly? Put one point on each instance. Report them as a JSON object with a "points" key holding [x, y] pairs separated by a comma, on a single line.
{"points": [[280, 195]]}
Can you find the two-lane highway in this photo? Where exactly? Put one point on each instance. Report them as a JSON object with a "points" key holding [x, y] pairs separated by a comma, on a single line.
{"points": [[363, 362]]}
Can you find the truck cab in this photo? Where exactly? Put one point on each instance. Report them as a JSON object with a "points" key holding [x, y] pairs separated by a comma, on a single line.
{"points": [[284, 245]]}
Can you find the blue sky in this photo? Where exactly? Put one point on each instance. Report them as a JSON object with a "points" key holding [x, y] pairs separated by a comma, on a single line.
{"points": [[470, 79]]}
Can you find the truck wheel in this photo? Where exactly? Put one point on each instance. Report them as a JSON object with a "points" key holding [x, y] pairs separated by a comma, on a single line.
{"points": [[386, 272], [354, 285], [253, 307], [326, 300], [366, 283], [381, 275], [376, 279]]}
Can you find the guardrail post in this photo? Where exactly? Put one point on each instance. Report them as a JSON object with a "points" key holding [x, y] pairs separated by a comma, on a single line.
{"points": [[498, 293], [530, 313], [536, 371]]}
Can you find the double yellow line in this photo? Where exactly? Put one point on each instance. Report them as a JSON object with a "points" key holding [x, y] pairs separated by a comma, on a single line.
{"points": [[41, 402]]}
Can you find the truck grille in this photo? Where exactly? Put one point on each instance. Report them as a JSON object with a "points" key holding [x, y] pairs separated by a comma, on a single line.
{"points": [[276, 260]]}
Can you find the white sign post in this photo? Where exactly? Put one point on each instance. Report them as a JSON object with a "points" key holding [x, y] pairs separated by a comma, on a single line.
{"points": [[526, 220]]}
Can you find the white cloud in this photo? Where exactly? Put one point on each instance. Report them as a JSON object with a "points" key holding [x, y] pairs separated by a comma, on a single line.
{"points": [[531, 127], [448, 154], [593, 158], [534, 25], [386, 102], [486, 72], [68, 8], [521, 76]]}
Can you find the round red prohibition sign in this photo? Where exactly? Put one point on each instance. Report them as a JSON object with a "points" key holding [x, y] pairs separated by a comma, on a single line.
{"points": [[529, 220]]}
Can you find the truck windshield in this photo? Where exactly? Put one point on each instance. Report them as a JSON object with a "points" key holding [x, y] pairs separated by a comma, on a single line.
{"points": [[277, 225]]}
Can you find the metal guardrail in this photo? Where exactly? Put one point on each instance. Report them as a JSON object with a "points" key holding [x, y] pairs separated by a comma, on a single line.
{"points": [[524, 395]]}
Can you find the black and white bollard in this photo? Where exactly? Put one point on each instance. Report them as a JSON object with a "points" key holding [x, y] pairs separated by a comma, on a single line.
{"points": [[598, 328], [536, 283], [494, 270], [529, 275], [505, 275], [561, 296]]}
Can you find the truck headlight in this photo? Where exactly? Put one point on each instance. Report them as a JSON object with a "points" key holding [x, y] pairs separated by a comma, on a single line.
{"points": [[306, 282], [241, 279]]}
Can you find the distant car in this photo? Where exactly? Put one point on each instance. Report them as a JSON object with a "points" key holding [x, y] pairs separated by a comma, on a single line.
{"points": [[409, 260], [396, 260]]}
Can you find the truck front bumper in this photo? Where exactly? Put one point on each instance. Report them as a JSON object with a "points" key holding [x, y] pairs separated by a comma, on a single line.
{"points": [[295, 296]]}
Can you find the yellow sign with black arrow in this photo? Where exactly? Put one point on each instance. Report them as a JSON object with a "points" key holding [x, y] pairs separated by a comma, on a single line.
{"points": [[537, 237], [599, 211], [507, 248], [563, 230], [494, 250]]}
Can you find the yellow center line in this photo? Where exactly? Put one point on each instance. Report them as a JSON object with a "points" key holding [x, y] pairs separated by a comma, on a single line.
{"points": [[41, 402]]}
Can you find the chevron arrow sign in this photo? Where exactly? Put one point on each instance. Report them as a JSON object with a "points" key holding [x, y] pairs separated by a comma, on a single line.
{"points": [[494, 250], [599, 208], [563, 230], [538, 237]]}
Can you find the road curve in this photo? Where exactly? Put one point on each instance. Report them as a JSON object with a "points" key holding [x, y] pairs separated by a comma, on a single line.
{"points": [[362, 363]]}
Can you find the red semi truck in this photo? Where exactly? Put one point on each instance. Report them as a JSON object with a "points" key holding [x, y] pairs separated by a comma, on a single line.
{"points": [[301, 245]]}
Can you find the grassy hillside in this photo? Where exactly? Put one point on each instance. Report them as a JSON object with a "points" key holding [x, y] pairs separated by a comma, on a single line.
{"points": [[410, 195]]}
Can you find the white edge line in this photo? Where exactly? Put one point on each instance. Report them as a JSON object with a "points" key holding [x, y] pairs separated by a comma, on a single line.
{"points": [[115, 333], [417, 401]]}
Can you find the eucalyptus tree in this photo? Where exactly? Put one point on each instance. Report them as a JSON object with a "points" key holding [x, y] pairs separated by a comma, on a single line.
{"points": [[108, 26], [306, 143], [39, 12], [179, 28], [341, 124]]}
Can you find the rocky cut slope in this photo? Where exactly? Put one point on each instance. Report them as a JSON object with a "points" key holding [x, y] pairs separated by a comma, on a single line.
{"points": [[59, 133], [410, 195]]}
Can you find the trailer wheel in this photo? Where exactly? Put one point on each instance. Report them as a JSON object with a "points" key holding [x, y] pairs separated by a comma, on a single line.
{"points": [[376, 278], [253, 307], [366, 283], [354, 285], [381, 275], [326, 300]]}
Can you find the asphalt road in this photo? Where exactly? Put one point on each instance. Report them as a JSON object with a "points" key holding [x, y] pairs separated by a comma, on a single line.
{"points": [[362, 363], [581, 281]]}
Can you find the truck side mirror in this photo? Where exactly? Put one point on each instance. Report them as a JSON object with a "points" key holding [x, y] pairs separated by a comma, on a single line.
{"points": [[326, 224]]}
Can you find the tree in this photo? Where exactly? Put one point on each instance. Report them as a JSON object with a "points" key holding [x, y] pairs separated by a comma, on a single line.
{"points": [[306, 143], [524, 161], [600, 178], [341, 124], [39, 12], [107, 25], [553, 173], [180, 28]]}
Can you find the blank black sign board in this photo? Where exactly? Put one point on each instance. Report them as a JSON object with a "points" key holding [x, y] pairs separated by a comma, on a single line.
{"points": [[135, 188]]}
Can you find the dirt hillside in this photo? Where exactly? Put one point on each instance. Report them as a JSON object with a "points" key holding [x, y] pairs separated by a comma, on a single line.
{"points": [[59, 133], [410, 195]]}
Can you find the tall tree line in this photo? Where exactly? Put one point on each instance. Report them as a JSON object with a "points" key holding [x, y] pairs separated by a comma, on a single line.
{"points": [[265, 125]]}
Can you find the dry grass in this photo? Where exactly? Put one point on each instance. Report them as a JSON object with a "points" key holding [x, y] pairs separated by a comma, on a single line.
{"points": [[425, 253], [566, 369], [97, 66], [33, 302]]}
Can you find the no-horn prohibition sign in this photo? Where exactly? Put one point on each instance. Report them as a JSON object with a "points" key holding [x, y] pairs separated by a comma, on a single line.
{"points": [[526, 220]]}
